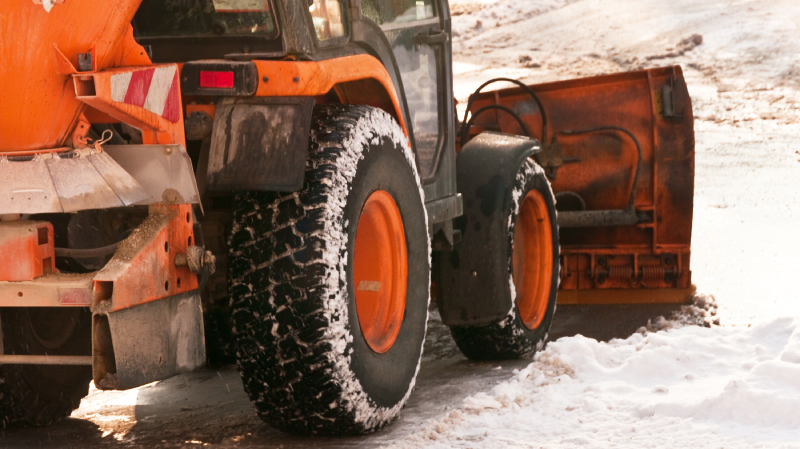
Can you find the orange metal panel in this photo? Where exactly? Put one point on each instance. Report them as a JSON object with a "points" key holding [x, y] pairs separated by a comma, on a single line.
{"points": [[52, 290], [210, 109], [27, 250], [315, 78], [145, 97], [627, 296], [39, 105], [143, 269]]}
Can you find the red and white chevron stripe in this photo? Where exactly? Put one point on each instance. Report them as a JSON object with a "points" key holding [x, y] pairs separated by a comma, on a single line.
{"points": [[154, 89]]}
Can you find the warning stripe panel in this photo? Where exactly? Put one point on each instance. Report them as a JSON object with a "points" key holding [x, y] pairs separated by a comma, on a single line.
{"points": [[172, 108], [154, 89], [139, 87]]}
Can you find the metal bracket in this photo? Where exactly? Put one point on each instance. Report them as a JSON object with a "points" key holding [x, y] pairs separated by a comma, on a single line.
{"points": [[668, 100], [45, 359], [551, 158]]}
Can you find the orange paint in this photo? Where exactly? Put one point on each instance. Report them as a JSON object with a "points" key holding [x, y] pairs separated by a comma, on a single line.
{"points": [[28, 250], [210, 109], [151, 274], [626, 296], [532, 259], [380, 271], [109, 92], [315, 78], [40, 110]]}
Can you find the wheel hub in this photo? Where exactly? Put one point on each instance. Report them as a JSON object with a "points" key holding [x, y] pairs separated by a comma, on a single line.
{"points": [[532, 259], [380, 271]]}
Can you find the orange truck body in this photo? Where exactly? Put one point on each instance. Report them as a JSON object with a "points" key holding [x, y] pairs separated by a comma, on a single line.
{"points": [[39, 54]]}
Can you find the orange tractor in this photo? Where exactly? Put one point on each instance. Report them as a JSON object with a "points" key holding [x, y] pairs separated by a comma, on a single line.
{"points": [[281, 182]]}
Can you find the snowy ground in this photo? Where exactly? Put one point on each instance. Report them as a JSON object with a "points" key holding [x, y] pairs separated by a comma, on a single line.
{"points": [[692, 387], [732, 386]]}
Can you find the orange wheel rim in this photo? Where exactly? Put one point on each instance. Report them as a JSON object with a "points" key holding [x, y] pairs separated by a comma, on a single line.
{"points": [[380, 271], [532, 259]]}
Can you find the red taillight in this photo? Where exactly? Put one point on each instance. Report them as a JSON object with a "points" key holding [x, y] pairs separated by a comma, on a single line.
{"points": [[217, 80]]}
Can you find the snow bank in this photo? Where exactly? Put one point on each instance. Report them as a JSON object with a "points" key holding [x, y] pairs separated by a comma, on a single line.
{"points": [[686, 387]]}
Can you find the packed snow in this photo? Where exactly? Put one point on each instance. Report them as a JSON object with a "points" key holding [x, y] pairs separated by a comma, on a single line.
{"points": [[672, 384], [687, 387]]}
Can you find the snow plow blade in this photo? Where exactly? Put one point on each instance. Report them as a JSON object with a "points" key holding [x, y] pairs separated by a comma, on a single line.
{"points": [[619, 152]]}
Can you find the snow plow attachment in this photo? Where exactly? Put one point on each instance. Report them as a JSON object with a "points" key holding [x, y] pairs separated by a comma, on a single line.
{"points": [[619, 152]]}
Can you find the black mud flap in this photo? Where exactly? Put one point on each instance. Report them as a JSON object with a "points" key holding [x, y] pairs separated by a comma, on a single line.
{"points": [[149, 342], [260, 144], [486, 169]]}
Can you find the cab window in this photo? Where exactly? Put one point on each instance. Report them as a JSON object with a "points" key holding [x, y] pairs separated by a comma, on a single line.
{"points": [[385, 12], [157, 18], [328, 19]]}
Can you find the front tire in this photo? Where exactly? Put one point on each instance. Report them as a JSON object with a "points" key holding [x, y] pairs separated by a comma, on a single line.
{"points": [[329, 292], [532, 258]]}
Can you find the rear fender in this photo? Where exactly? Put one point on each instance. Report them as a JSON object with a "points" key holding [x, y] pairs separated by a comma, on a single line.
{"points": [[486, 170], [260, 142]]}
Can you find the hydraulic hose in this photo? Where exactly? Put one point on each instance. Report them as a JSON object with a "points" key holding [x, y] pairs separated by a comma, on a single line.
{"points": [[86, 253], [624, 131], [465, 128], [524, 87]]}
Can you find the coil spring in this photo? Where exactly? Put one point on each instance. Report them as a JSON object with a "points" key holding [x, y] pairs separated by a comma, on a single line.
{"points": [[653, 272], [620, 272]]}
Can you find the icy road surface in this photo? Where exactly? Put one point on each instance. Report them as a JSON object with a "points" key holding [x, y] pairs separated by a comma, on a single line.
{"points": [[734, 386]]}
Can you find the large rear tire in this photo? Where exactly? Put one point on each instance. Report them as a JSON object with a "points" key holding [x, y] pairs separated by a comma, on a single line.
{"points": [[37, 395], [532, 257], [330, 285]]}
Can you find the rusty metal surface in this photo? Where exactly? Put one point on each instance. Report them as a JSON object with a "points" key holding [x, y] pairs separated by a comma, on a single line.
{"points": [[45, 360], [152, 342], [121, 182], [27, 249], [600, 166], [165, 171], [53, 290], [625, 296], [143, 268], [597, 218]]}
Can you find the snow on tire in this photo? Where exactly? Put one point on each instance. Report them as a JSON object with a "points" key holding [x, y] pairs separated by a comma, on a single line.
{"points": [[525, 328], [301, 350]]}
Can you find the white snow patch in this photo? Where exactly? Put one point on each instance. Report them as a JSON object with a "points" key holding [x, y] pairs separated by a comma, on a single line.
{"points": [[687, 387]]}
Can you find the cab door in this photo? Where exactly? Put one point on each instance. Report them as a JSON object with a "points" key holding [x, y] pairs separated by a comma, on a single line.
{"points": [[419, 39]]}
